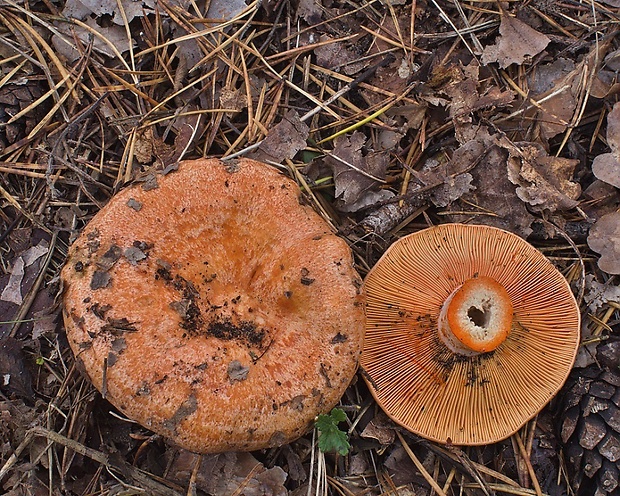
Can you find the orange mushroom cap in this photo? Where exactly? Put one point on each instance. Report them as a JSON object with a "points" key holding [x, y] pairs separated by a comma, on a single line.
{"points": [[216, 310], [470, 332]]}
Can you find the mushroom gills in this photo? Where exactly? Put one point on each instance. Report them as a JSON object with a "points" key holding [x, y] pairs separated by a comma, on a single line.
{"points": [[476, 318]]}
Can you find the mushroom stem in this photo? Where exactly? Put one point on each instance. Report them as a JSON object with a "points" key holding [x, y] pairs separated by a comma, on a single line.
{"points": [[476, 318]]}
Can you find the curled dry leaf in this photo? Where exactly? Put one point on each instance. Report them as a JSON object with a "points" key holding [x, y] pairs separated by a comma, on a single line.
{"points": [[465, 98], [543, 181], [606, 166], [355, 174], [517, 41], [604, 238]]}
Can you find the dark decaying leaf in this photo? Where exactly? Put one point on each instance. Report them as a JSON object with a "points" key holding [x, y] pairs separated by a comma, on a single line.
{"points": [[604, 238], [283, 141], [493, 200], [15, 378], [606, 166], [355, 174], [228, 473], [336, 55]]}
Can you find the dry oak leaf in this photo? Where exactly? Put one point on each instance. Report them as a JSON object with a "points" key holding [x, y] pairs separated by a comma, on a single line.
{"points": [[606, 166], [355, 175], [604, 238], [543, 181], [516, 42]]}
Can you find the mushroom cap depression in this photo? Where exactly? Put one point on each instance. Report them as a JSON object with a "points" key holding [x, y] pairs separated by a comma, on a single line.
{"points": [[214, 308], [461, 390]]}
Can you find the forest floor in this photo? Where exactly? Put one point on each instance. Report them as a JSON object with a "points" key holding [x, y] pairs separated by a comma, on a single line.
{"points": [[392, 115]]}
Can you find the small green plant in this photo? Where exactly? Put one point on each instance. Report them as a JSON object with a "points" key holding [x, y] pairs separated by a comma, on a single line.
{"points": [[331, 438]]}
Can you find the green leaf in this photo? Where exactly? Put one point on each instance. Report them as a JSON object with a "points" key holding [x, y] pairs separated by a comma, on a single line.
{"points": [[331, 438]]}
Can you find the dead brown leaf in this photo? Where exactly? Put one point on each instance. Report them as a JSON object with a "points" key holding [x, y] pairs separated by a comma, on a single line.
{"points": [[493, 200], [145, 145], [606, 166], [233, 99], [543, 181], [337, 55], [380, 428], [115, 36], [517, 41], [355, 174], [599, 294], [310, 11], [600, 198], [465, 99], [81, 9], [604, 238], [228, 473], [14, 375], [12, 292], [557, 86], [283, 141]]}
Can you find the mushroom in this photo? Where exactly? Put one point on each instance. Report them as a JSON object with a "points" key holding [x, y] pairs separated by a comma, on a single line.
{"points": [[470, 332], [214, 307]]}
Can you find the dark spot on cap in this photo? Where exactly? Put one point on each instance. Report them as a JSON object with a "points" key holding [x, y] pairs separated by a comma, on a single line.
{"points": [[237, 372], [100, 280], [305, 280], [135, 204], [110, 257], [227, 330], [188, 407]]}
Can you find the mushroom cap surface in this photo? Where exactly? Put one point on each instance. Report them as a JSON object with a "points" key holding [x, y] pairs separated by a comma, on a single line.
{"points": [[449, 397], [216, 310]]}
